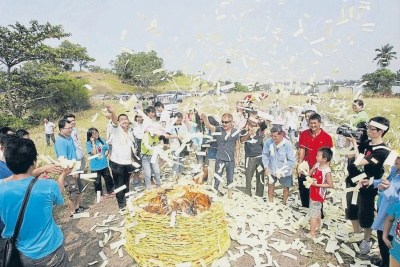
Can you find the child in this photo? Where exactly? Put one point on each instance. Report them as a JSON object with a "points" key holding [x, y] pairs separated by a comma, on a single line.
{"points": [[387, 198], [321, 173]]}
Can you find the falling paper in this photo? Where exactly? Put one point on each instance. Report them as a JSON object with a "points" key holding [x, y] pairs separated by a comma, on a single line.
{"points": [[95, 117], [87, 86], [119, 189]]}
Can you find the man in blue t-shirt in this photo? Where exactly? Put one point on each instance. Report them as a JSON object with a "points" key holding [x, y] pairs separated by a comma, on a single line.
{"points": [[40, 239], [65, 147]]}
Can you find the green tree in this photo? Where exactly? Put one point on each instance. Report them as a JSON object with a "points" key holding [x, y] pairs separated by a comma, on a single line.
{"points": [[20, 44], [240, 88], [44, 90], [137, 68], [380, 81], [71, 54], [384, 55]]}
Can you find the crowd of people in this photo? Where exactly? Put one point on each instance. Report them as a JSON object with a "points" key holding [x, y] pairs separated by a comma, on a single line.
{"points": [[278, 146]]}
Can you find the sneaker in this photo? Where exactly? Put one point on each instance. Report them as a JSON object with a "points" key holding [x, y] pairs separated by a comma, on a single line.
{"points": [[122, 211], [79, 210], [365, 247]]}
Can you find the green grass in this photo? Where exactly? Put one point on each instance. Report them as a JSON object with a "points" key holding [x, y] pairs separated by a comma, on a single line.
{"points": [[107, 84]]}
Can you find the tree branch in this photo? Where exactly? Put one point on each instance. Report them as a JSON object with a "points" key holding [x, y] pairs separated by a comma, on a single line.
{"points": [[42, 97]]}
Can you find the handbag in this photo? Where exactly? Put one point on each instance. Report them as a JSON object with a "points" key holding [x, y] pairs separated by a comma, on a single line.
{"points": [[9, 254]]}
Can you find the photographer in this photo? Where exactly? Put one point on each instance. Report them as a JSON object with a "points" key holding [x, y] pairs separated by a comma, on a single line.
{"points": [[375, 153], [353, 171]]}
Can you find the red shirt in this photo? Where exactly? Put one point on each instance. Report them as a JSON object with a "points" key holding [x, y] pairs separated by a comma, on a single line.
{"points": [[312, 144], [318, 193]]}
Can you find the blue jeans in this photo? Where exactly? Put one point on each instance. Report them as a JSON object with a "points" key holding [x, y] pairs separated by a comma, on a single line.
{"points": [[148, 167], [177, 168], [58, 258], [230, 168]]}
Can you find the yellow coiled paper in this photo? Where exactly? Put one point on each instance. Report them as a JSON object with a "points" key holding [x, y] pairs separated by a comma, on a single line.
{"points": [[199, 240]]}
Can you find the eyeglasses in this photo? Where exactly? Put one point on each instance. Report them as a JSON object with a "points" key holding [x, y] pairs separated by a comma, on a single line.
{"points": [[225, 122], [372, 129]]}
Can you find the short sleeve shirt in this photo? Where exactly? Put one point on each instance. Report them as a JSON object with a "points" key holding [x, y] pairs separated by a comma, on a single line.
{"points": [[176, 130], [39, 235], [49, 127], [121, 146], [253, 147], [65, 147], [100, 162], [376, 156], [312, 144], [226, 144]]}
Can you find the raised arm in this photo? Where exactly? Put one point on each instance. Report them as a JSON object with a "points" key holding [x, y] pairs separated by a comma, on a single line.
{"points": [[114, 118], [209, 126]]}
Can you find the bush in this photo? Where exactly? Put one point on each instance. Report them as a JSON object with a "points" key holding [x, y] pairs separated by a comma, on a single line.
{"points": [[13, 122]]}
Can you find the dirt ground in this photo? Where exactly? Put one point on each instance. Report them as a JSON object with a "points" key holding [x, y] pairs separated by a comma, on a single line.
{"points": [[82, 243]]}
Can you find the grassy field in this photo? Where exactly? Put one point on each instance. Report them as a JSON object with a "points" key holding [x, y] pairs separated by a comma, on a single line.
{"points": [[109, 84], [217, 105]]}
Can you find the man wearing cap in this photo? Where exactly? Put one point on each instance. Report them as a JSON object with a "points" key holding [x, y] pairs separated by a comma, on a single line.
{"points": [[373, 154], [310, 141], [252, 137]]}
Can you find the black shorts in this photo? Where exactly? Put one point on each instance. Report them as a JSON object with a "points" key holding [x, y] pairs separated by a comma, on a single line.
{"points": [[366, 206], [351, 210]]}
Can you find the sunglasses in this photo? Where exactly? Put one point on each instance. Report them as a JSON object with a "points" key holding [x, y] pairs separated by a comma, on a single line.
{"points": [[225, 122]]}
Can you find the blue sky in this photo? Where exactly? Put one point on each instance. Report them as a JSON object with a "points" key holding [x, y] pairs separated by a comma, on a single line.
{"points": [[271, 40]]}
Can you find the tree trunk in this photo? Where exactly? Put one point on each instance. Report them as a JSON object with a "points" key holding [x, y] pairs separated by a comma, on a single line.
{"points": [[9, 95]]}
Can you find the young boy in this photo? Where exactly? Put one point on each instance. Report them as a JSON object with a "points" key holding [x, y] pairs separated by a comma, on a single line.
{"points": [[321, 173]]}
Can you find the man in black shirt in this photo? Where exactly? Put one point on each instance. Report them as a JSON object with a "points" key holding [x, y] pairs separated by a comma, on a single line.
{"points": [[252, 137], [374, 153], [228, 149]]}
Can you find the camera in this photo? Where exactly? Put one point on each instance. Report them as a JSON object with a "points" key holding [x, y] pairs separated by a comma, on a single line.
{"points": [[347, 131]]}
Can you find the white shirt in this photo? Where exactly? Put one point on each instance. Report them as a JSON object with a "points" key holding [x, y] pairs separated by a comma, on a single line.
{"points": [[291, 120], [49, 127], [77, 143], [108, 130], [138, 130], [121, 146], [176, 130], [239, 120], [164, 117]]}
